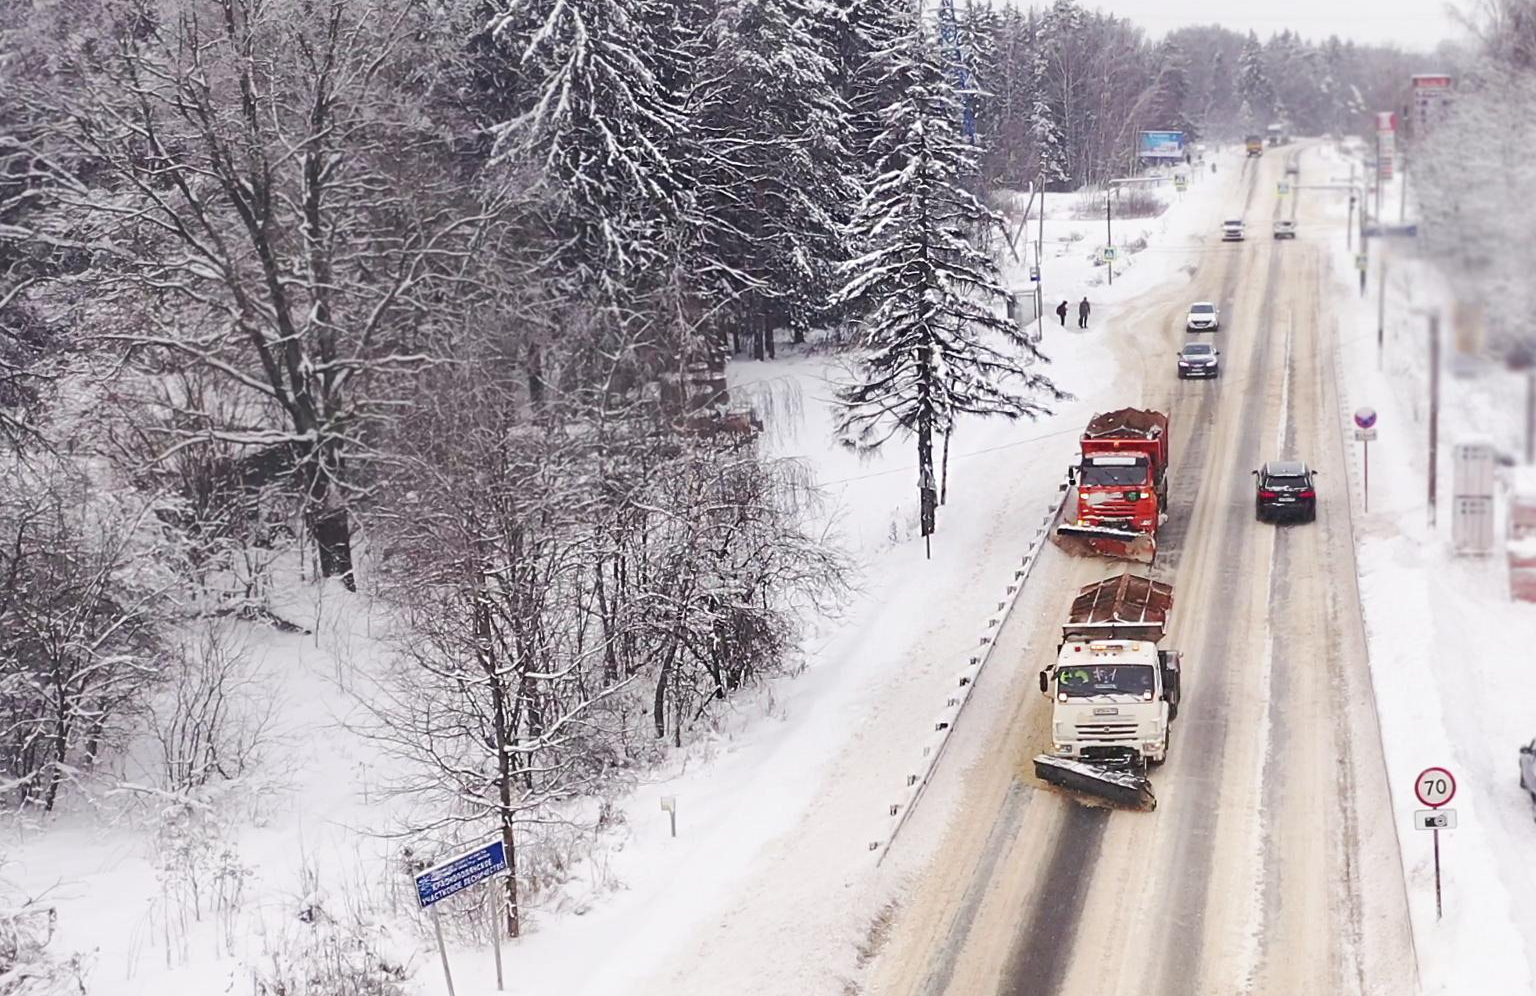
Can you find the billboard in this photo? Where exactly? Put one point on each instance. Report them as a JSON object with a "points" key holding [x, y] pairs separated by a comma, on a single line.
{"points": [[1161, 145], [1431, 98]]}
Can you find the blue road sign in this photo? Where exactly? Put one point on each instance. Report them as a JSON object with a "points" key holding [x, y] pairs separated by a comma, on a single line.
{"points": [[460, 872]]}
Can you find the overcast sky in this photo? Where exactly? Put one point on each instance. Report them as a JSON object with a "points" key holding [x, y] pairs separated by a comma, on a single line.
{"points": [[1409, 24]]}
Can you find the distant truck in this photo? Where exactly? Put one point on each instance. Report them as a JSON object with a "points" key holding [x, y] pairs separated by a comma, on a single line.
{"points": [[1255, 145], [1275, 133], [1114, 692], [1121, 481]]}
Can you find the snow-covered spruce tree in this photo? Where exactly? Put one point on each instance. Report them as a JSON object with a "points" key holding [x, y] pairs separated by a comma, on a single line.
{"points": [[1253, 85], [602, 133], [1009, 100], [1045, 113], [1170, 100], [976, 56], [859, 30], [935, 344], [776, 174]]}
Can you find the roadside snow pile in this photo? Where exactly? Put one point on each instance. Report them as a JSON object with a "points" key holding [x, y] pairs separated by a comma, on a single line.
{"points": [[1450, 653]]}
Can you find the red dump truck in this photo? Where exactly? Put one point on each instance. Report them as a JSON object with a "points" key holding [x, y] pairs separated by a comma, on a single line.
{"points": [[1121, 481]]}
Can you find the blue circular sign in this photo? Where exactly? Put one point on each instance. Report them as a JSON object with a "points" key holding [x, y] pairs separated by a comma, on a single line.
{"points": [[1365, 417]]}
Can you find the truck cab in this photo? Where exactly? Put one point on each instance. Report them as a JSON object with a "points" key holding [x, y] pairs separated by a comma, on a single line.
{"points": [[1112, 697], [1118, 487], [1113, 690]]}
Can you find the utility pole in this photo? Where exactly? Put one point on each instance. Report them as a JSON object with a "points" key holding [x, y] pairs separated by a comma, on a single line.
{"points": [[1530, 415], [1040, 267], [1109, 234], [1434, 408], [1381, 311], [1378, 175], [1349, 228]]}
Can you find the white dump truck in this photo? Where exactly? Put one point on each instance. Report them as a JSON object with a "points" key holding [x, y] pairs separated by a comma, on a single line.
{"points": [[1114, 691]]}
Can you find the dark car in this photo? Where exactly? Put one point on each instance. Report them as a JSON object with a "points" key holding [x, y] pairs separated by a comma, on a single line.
{"points": [[1528, 769], [1285, 489], [1198, 359]]}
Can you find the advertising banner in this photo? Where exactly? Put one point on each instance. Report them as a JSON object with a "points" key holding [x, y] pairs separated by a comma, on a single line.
{"points": [[1161, 145]]}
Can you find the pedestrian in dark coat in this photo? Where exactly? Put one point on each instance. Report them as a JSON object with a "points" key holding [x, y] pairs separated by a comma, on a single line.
{"points": [[1061, 312], [1082, 313]]}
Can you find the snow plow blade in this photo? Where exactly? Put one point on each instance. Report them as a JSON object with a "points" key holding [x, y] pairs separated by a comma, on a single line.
{"points": [[1123, 785], [1106, 541]]}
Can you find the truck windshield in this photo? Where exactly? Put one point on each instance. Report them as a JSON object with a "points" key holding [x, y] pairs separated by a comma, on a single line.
{"points": [[1099, 476], [1117, 679]]}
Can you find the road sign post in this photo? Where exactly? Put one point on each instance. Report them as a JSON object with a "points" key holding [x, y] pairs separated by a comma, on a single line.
{"points": [[1365, 432], [1435, 787], [453, 876]]}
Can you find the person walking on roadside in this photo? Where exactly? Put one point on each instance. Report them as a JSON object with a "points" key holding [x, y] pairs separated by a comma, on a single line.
{"points": [[1061, 312], [1082, 313]]}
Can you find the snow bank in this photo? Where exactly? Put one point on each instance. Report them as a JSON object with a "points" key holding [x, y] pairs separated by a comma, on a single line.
{"points": [[1450, 654]]}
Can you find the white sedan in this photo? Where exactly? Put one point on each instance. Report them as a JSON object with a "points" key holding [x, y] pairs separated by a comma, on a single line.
{"points": [[1202, 317]]}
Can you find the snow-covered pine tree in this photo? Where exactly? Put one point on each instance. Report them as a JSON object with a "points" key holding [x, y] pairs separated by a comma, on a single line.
{"points": [[1010, 101], [859, 30], [1171, 94], [1044, 114], [602, 129], [935, 343], [777, 177], [1253, 84], [1216, 110], [977, 28]]}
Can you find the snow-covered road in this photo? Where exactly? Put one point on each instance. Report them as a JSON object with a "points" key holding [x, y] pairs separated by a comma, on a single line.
{"points": [[1271, 864]]}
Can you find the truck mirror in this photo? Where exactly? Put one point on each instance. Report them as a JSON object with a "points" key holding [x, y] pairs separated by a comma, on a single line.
{"points": [[1045, 689]]}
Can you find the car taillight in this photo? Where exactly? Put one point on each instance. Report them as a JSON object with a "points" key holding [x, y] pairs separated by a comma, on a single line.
{"points": [[1309, 493], [1267, 494]]}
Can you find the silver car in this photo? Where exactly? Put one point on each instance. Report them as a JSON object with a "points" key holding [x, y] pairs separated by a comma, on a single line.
{"points": [[1202, 317]]}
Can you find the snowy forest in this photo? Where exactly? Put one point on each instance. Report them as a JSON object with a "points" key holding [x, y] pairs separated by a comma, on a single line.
{"points": [[432, 302], [1475, 171]]}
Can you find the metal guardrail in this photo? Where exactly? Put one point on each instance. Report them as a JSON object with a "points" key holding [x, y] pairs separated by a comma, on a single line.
{"points": [[944, 725]]}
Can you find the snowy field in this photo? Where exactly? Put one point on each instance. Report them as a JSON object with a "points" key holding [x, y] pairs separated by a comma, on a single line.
{"points": [[776, 810], [1450, 653]]}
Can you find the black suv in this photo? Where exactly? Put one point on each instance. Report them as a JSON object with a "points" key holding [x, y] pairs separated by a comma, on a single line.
{"points": [[1284, 488]]}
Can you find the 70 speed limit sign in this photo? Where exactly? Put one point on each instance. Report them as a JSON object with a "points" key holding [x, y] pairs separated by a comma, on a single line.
{"points": [[1435, 787]]}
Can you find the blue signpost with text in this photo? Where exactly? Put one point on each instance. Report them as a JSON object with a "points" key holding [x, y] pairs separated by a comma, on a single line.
{"points": [[453, 876]]}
